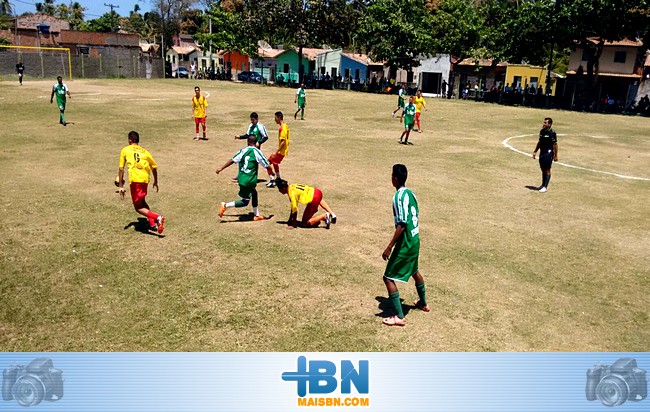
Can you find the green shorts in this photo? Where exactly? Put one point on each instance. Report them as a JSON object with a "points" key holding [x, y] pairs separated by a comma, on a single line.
{"points": [[408, 126], [60, 104], [401, 268], [245, 192], [400, 102]]}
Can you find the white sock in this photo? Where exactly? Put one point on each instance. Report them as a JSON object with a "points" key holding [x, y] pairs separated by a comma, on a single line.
{"points": [[256, 211], [230, 204]]}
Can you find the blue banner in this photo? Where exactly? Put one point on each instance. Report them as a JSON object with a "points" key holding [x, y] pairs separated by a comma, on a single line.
{"points": [[445, 382]]}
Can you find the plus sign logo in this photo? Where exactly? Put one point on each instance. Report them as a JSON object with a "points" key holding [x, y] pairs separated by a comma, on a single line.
{"points": [[319, 376]]}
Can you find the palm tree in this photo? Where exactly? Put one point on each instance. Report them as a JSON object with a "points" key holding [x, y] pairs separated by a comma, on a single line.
{"points": [[47, 7], [5, 7]]}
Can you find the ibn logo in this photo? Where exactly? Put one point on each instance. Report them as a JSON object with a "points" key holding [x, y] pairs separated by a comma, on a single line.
{"points": [[320, 377]]}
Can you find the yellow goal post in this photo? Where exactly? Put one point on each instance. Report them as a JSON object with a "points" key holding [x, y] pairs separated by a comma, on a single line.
{"points": [[40, 49]]}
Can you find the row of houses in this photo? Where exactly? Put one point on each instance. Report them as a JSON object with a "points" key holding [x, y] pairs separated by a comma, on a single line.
{"points": [[623, 66]]}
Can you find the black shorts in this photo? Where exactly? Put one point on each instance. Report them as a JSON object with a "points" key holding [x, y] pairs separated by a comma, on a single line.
{"points": [[546, 160]]}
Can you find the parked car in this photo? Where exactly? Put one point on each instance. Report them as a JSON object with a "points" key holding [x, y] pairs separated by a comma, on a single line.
{"points": [[253, 77], [182, 72]]}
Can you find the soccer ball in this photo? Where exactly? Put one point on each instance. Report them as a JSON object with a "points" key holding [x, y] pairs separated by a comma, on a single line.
{"points": [[117, 181]]}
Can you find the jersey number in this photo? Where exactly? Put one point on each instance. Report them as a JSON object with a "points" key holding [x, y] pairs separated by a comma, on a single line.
{"points": [[136, 156]]}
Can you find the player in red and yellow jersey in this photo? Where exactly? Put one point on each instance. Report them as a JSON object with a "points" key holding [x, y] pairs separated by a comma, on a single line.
{"points": [[283, 147], [310, 196], [199, 105], [141, 165]]}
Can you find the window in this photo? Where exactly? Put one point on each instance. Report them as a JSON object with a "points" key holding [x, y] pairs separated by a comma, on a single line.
{"points": [[347, 73], [322, 70], [83, 50], [619, 56], [533, 81], [356, 73], [285, 68]]}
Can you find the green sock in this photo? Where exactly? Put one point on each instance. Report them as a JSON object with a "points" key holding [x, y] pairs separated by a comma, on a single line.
{"points": [[394, 298], [239, 203], [62, 118], [421, 293]]}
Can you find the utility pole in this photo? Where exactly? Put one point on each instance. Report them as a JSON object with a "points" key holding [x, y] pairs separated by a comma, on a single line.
{"points": [[112, 6]]}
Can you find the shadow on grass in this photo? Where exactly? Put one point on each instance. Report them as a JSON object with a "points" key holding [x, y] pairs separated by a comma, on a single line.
{"points": [[386, 307], [529, 187], [300, 226], [142, 226], [243, 217]]}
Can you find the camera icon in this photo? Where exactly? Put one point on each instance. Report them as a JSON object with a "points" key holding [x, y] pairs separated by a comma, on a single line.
{"points": [[615, 384], [30, 385]]}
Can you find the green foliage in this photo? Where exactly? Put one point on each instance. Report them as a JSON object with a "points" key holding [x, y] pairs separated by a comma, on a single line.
{"points": [[227, 32], [457, 28], [4, 42], [397, 32], [107, 23]]}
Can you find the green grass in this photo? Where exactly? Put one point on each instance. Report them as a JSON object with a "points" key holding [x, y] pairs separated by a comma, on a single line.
{"points": [[507, 268]]}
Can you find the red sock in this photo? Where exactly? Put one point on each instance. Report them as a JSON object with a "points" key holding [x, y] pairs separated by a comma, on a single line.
{"points": [[152, 215], [152, 222]]}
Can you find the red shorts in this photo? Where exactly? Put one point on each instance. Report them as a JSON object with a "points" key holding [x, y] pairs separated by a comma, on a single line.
{"points": [[417, 116], [199, 120], [312, 207], [138, 192], [276, 158]]}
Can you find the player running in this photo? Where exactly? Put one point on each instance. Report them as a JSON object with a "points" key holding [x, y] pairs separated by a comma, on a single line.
{"points": [[408, 115], [141, 165], [248, 159]]}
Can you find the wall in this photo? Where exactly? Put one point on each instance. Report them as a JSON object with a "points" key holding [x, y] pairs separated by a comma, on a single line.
{"points": [[330, 59], [290, 57], [526, 73], [101, 62], [353, 65], [606, 62], [440, 63]]}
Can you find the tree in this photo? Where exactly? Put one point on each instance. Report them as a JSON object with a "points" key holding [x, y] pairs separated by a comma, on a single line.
{"points": [[457, 29], [5, 7], [170, 12], [47, 7], [73, 13], [227, 32], [397, 31], [106, 23]]}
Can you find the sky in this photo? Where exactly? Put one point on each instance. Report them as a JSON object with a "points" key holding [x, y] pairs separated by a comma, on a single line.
{"points": [[94, 8]]}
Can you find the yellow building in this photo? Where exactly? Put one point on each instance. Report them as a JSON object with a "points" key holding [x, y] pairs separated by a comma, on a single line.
{"points": [[527, 75]]}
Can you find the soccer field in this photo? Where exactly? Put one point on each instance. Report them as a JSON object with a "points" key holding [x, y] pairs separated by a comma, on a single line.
{"points": [[506, 268]]}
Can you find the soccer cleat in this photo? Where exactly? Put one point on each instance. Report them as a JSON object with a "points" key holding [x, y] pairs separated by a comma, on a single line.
{"points": [[153, 228], [328, 220], [295, 116], [392, 114], [161, 224], [333, 218], [543, 190], [222, 208], [271, 183], [258, 218]]}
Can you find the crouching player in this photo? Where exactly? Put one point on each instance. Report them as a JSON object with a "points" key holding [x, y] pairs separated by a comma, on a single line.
{"points": [[310, 196]]}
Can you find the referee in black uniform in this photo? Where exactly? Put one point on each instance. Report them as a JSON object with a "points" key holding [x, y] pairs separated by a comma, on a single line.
{"points": [[547, 145]]}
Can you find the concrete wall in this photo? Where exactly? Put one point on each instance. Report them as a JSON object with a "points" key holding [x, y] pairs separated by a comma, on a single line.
{"points": [[103, 62], [606, 62], [330, 59]]}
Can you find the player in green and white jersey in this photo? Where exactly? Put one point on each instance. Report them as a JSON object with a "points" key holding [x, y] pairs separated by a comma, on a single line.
{"points": [[404, 248], [408, 114], [257, 129], [248, 159], [301, 99], [60, 89]]}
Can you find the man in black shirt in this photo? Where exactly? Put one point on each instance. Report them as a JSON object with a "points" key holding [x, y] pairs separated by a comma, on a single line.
{"points": [[547, 145], [20, 69]]}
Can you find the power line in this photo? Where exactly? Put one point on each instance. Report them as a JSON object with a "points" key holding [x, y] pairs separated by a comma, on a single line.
{"points": [[112, 6]]}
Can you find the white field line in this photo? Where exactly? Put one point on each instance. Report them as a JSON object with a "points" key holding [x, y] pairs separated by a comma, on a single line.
{"points": [[506, 143]]}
